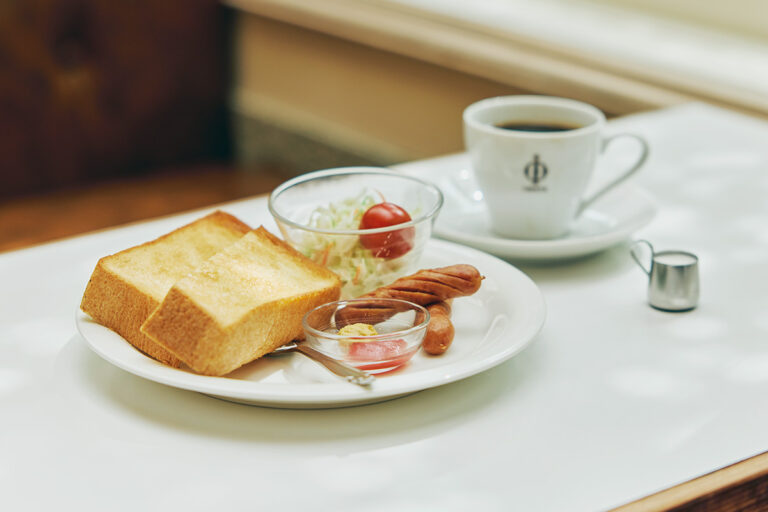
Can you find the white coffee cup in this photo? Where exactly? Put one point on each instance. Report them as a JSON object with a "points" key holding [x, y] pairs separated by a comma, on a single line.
{"points": [[534, 181]]}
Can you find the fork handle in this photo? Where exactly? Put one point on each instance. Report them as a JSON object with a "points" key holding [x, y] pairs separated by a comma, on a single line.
{"points": [[340, 368]]}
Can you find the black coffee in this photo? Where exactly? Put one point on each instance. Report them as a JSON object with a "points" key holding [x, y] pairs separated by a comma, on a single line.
{"points": [[537, 127]]}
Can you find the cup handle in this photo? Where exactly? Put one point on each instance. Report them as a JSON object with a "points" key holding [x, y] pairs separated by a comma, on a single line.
{"points": [[633, 252], [629, 172]]}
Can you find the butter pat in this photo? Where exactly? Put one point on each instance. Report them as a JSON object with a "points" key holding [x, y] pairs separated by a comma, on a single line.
{"points": [[357, 330]]}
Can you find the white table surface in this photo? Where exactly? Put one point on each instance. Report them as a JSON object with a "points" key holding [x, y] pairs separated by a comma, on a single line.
{"points": [[613, 401]]}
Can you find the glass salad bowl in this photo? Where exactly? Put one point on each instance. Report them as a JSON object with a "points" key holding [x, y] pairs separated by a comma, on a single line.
{"points": [[367, 224], [375, 335]]}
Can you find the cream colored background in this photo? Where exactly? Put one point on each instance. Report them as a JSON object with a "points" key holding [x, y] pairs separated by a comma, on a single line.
{"points": [[386, 80]]}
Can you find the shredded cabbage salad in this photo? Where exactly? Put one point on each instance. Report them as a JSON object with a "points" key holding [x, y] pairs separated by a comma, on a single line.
{"points": [[360, 271]]}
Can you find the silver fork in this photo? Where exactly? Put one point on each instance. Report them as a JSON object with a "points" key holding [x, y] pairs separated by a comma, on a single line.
{"points": [[340, 368]]}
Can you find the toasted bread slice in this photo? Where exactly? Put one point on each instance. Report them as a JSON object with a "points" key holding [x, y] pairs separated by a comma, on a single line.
{"points": [[127, 286], [242, 303]]}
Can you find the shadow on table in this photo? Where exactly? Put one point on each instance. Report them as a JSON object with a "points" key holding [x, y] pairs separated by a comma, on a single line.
{"points": [[604, 264], [395, 422]]}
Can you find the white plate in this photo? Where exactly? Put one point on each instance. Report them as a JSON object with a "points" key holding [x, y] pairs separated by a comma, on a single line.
{"points": [[493, 325], [464, 219]]}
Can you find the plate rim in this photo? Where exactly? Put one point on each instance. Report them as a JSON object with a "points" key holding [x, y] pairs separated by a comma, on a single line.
{"points": [[337, 393]]}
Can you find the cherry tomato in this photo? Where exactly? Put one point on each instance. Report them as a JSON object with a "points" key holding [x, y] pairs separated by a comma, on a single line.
{"points": [[391, 244]]}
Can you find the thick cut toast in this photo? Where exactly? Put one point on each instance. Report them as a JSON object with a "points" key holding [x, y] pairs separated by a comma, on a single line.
{"points": [[127, 286], [242, 303]]}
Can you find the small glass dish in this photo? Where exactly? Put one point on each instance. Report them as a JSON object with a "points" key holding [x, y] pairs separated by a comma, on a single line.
{"points": [[400, 326], [319, 213]]}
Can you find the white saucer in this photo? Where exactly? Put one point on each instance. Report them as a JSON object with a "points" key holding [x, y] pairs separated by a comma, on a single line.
{"points": [[492, 325], [464, 219]]}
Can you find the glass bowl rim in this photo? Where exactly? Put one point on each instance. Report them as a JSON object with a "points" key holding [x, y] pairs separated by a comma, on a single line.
{"points": [[341, 171], [404, 332]]}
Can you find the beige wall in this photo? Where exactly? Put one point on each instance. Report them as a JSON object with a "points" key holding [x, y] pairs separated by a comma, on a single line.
{"points": [[743, 17], [389, 85], [377, 104]]}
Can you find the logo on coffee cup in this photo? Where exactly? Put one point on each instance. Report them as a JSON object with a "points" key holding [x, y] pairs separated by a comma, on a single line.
{"points": [[535, 172]]}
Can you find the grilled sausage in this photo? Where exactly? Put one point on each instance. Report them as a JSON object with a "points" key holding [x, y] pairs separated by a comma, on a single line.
{"points": [[432, 285], [425, 287], [440, 330]]}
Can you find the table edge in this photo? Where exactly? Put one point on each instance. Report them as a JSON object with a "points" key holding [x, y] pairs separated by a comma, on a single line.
{"points": [[742, 485]]}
